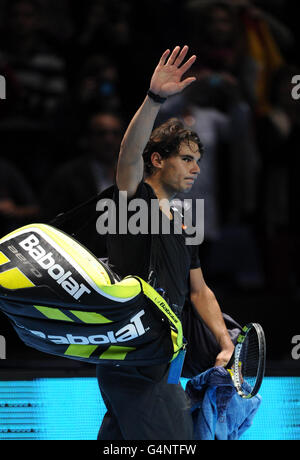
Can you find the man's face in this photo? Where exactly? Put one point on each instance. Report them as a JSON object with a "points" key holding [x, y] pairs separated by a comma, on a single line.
{"points": [[105, 138], [220, 26], [24, 18], [179, 173]]}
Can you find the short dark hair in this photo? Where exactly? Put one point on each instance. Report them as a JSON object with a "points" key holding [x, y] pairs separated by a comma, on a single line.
{"points": [[166, 140]]}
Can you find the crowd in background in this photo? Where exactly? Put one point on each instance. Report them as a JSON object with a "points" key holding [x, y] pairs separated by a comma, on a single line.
{"points": [[77, 70]]}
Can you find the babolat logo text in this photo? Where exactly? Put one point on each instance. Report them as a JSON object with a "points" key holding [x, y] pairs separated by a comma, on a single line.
{"points": [[2, 87], [130, 332], [46, 261]]}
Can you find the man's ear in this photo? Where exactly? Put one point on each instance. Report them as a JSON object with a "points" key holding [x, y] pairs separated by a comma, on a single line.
{"points": [[156, 160]]}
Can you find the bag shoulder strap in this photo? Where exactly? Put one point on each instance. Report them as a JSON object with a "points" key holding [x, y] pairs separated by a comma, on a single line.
{"points": [[63, 218]]}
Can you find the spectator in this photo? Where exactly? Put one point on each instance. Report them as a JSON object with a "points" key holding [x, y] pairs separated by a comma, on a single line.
{"points": [[237, 37], [96, 88], [279, 141], [33, 55], [263, 50], [82, 178], [217, 36], [102, 26], [18, 206]]}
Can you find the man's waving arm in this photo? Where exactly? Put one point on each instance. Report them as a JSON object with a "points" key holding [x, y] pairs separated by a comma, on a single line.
{"points": [[166, 81]]}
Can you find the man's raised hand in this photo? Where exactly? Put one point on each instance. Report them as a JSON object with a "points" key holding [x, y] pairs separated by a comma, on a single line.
{"points": [[167, 78]]}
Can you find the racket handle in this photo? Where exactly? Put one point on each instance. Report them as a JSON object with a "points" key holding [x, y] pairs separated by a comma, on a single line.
{"points": [[230, 363]]}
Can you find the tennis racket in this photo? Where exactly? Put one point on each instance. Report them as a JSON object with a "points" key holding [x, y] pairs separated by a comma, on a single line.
{"points": [[247, 364]]}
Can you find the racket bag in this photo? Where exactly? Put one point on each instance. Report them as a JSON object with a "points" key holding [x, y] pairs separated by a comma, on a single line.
{"points": [[62, 300]]}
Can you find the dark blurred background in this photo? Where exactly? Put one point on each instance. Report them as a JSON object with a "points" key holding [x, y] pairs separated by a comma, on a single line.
{"points": [[76, 72]]}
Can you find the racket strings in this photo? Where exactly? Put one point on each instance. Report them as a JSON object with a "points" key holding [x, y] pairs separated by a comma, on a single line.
{"points": [[248, 368], [250, 354]]}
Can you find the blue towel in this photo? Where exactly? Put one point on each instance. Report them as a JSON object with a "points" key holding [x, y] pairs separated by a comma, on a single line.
{"points": [[218, 411]]}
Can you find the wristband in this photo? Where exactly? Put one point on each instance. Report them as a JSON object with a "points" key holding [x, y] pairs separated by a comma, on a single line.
{"points": [[156, 97]]}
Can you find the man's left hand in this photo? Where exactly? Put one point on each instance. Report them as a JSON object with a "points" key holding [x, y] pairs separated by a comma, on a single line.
{"points": [[224, 357]]}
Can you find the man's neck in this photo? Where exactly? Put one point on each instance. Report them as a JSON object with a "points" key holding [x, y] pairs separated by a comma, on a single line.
{"points": [[162, 195], [160, 191]]}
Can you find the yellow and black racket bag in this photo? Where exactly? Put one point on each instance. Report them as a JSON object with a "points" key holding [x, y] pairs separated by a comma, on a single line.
{"points": [[63, 301]]}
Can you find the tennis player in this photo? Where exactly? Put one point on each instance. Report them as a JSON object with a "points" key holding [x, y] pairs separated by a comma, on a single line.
{"points": [[141, 405]]}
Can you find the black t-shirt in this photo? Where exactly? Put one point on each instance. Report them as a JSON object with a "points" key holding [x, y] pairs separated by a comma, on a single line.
{"points": [[171, 259]]}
